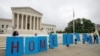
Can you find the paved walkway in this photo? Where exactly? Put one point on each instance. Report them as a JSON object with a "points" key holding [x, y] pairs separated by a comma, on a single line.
{"points": [[74, 50]]}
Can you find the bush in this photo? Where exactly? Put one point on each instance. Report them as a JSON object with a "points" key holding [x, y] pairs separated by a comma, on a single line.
{"points": [[59, 31]]}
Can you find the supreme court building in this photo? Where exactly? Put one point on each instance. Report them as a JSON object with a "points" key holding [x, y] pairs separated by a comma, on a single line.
{"points": [[26, 20]]}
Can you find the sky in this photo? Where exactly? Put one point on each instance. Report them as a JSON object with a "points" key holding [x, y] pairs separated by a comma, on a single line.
{"points": [[56, 12]]}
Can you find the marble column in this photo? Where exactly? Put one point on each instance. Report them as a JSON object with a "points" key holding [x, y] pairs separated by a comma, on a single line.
{"points": [[13, 24], [34, 23], [37, 22], [17, 21], [26, 22], [22, 21], [24, 18], [30, 22], [13, 20]]}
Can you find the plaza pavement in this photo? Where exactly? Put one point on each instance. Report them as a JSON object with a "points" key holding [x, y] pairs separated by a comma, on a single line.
{"points": [[74, 50]]}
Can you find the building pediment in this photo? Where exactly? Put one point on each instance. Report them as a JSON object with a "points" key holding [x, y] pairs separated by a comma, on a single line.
{"points": [[26, 10]]}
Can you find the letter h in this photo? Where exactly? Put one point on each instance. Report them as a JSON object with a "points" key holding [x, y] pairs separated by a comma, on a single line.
{"points": [[12, 47]]}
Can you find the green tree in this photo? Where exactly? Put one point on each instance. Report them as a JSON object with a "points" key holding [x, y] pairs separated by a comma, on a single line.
{"points": [[86, 27]]}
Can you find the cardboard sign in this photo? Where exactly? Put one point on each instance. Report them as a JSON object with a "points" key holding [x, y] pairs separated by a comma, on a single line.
{"points": [[85, 37], [67, 39], [42, 43], [70, 38], [53, 41], [77, 36], [89, 39], [31, 45], [14, 46], [64, 39], [97, 40]]}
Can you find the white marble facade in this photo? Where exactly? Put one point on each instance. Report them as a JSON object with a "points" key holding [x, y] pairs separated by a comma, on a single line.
{"points": [[26, 20]]}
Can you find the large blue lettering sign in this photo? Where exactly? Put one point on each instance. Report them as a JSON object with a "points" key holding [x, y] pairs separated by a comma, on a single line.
{"points": [[14, 46], [64, 39], [31, 45], [67, 39], [77, 36], [42, 42], [97, 40], [70, 38], [85, 37], [89, 39], [53, 42]]}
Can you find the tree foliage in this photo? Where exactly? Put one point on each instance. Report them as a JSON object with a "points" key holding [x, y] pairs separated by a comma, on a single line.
{"points": [[59, 31], [82, 25]]}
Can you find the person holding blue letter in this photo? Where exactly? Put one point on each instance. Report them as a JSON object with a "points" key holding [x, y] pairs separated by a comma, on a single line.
{"points": [[53, 41], [66, 39], [15, 33], [14, 46], [95, 38]]}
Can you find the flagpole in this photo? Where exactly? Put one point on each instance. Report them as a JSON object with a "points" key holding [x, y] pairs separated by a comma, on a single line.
{"points": [[73, 23]]}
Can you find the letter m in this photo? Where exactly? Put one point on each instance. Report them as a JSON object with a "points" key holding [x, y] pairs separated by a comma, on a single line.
{"points": [[42, 44]]}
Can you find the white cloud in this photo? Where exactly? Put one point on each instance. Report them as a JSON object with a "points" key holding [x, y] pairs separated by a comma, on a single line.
{"points": [[58, 12]]}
